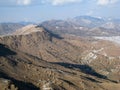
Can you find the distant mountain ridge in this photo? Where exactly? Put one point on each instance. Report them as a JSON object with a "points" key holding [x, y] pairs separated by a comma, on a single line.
{"points": [[80, 26], [89, 21], [85, 26], [8, 28]]}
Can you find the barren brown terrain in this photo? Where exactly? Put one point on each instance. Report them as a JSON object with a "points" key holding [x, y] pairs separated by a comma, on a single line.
{"points": [[35, 59]]}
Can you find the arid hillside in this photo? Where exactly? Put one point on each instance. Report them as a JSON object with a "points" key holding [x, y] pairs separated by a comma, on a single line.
{"points": [[36, 59]]}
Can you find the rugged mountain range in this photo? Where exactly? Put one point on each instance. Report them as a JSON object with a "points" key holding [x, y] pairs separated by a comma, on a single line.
{"points": [[80, 26], [34, 58], [84, 26]]}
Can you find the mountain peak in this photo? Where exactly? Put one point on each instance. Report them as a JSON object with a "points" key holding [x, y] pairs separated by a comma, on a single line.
{"points": [[29, 29]]}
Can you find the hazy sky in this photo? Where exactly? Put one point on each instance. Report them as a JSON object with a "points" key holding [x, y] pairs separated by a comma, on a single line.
{"points": [[39, 10]]}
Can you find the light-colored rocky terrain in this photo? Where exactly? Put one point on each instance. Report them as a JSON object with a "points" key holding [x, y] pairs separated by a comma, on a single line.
{"points": [[35, 59], [115, 39]]}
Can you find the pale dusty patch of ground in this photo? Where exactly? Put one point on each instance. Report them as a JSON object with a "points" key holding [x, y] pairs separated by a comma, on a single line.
{"points": [[111, 86]]}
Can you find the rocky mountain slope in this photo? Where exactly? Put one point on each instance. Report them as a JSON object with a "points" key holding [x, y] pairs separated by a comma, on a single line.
{"points": [[101, 55], [36, 59]]}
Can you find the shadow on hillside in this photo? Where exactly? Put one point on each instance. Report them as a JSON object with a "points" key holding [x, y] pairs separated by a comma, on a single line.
{"points": [[83, 68], [20, 84], [51, 33], [4, 51]]}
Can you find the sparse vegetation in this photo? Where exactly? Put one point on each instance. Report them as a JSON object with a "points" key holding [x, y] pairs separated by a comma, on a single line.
{"points": [[39, 61]]}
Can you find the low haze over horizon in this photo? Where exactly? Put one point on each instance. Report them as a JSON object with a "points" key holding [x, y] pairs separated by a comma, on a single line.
{"points": [[40, 10]]}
